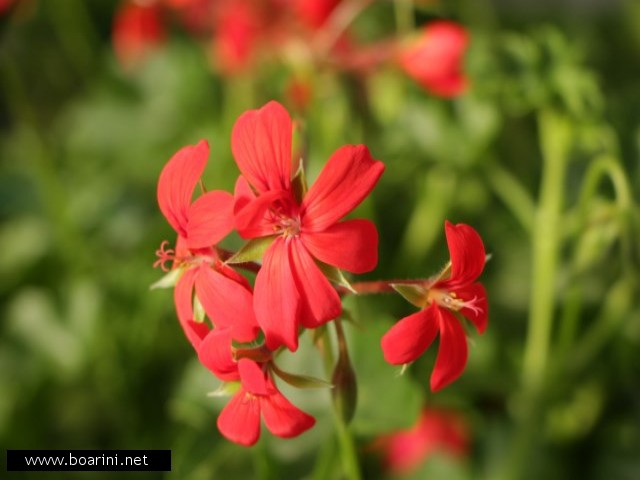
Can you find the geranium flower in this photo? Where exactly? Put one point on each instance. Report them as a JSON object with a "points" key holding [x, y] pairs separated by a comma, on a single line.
{"points": [[290, 288], [412, 335], [136, 29], [225, 294], [258, 397], [435, 58], [435, 431]]}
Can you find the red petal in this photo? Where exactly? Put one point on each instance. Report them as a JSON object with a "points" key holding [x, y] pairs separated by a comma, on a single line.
{"points": [[276, 299], [252, 376], [215, 353], [282, 418], [210, 219], [351, 245], [467, 255], [251, 212], [452, 353], [183, 297], [410, 337], [177, 181], [319, 301], [239, 421], [476, 296], [228, 304], [347, 178], [261, 144]]}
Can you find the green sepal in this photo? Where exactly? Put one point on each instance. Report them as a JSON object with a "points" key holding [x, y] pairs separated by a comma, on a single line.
{"points": [[336, 276], [226, 389], [168, 280], [300, 381], [345, 388], [198, 310], [413, 293], [299, 183], [252, 251]]}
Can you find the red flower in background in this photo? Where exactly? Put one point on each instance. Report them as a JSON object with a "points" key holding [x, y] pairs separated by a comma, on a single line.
{"points": [[435, 58], [412, 335], [259, 397], [137, 28], [436, 431], [290, 288]]}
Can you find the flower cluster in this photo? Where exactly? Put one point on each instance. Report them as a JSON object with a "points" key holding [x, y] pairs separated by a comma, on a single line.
{"points": [[300, 33], [298, 243]]}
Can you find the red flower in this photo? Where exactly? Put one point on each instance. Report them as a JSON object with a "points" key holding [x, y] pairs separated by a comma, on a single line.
{"points": [[259, 397], [313, 13], [224, 294], [434, 59], [290, 288], [136, 29], [411, 336], [435, 431]]}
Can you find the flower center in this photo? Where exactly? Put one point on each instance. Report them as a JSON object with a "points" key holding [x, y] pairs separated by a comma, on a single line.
{"points": [[451, 301], [287, 226]]}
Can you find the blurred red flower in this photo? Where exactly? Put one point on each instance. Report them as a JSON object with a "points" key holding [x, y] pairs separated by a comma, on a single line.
{"points": [[436, 431], [434, 58], [137, 28], [412, 335]]}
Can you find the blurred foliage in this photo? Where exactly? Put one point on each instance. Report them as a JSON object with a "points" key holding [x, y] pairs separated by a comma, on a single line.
{"points": [[90, 358]]}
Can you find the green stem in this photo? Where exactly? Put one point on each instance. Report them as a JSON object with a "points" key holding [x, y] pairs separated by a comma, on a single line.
{"points": [[512, 194]]}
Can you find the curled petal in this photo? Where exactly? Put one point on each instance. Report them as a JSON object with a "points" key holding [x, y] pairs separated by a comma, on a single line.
{"points": [[239, 420], [251, 212], [319, 301], [261, 144], [227, 303], [183, 297], [467, 255], [346, 179], [477, 307], [351, 245], [276, 299], [177, 181], [452, 353], [210, 219], [410, 337], [214, 352], [284, 419]]}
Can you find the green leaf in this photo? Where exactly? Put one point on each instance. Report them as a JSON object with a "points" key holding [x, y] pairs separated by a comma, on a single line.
{"points": [[252, 251], [226, 389], [300, 381], [169, 280], [414, 294], [336, 276]]}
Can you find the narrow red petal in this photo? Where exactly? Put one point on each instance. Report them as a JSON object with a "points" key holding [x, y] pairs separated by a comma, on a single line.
{"points": [[276, 299], [253, 378], [410, 337], [227, 303], [239, 420], [261, 145], [214, 352], [282, 418], [351, 245], [319, 301], [210, 219], [177, 181], [452, 353], [478, 311], [467, 255], [347, 178], [183, 297]]}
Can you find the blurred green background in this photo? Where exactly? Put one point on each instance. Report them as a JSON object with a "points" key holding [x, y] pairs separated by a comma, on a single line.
{"points": [[90, 358]]}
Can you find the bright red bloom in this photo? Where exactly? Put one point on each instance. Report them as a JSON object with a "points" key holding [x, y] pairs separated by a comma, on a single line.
{"points": [[290, 289], [313, 13], [435, 431], [435, 58], [412, 335], [259, 397], [224, 294], [136, 29]]}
